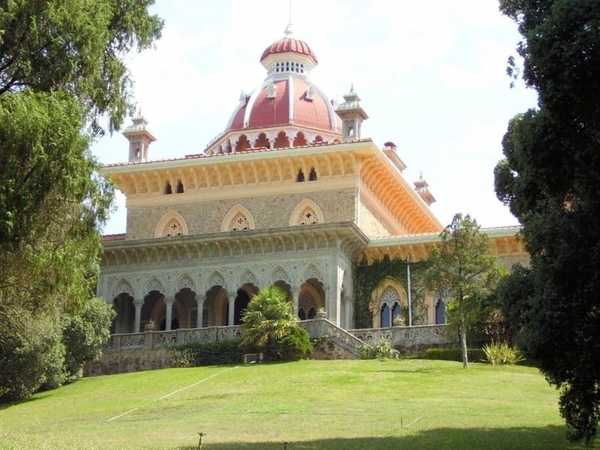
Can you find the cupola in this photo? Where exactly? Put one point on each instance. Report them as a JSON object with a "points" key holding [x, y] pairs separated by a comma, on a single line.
{"points": [[286, 110], [352, 115]]}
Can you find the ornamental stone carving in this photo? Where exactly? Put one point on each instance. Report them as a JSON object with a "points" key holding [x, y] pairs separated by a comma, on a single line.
{"points": [[216, 280], [154, 285]]}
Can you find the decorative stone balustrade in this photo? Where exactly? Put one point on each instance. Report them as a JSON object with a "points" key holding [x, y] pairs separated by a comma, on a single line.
{"points": [[405, 336], [350, 340], [162, 339]]}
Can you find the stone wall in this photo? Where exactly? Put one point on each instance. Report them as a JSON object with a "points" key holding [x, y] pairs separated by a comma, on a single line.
{"points": [[371, 222], [267, 211], [154, 350], [130, 361]]}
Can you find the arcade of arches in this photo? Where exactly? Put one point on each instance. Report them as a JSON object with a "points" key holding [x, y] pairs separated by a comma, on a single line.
{"points": [[216, 307]]}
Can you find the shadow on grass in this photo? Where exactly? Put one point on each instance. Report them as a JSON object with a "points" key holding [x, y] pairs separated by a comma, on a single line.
{"points": [[547, 438], [37, 396]]}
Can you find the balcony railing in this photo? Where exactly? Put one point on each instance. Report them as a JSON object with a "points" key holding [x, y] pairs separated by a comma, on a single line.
{"points": [[350, 340]]}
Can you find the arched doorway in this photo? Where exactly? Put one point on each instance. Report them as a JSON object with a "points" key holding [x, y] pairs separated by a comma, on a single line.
{"points": [[124, 321]]}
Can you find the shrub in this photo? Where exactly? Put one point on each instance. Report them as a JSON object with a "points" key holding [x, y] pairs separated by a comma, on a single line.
{"points": [[183, 357], [502, 353], [454, 354], [30, 357], [296, 345], [382, 349], [268, 320], [323, 343], [208, 353]]}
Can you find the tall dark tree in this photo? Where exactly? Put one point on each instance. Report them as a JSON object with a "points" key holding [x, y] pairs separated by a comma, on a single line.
{"points": [[61, 70], [550, 178]]}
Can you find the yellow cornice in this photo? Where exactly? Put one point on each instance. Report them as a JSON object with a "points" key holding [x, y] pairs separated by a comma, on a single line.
{"points": [[387, 184], [337, 166], [505, 241]]}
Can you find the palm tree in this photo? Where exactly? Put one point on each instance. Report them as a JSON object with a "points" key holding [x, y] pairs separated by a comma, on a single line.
{"points": [[268, 318]]}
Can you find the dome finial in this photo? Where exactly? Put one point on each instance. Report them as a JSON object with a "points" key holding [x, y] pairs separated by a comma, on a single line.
{"points": [[288, 30]]}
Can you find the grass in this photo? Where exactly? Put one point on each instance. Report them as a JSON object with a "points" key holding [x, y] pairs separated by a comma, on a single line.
{"points": [[409, 404]]}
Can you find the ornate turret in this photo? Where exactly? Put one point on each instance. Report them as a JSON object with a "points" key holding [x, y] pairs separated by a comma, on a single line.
{"points": [[421, 187], [352, 115], [139, 138]]}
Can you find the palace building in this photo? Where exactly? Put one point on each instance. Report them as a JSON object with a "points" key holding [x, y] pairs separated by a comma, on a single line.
{"points": [[289, 194]]}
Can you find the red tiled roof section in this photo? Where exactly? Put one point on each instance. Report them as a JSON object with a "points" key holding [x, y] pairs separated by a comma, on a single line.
{"points": [[289, 45], [238, 120], [271, 111], [311, 113]]}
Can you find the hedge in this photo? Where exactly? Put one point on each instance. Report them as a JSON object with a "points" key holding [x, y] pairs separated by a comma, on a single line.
{"points": [[455, 354]]}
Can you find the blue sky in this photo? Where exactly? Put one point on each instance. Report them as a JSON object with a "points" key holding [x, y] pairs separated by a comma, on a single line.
{"points": [[431, 76]]}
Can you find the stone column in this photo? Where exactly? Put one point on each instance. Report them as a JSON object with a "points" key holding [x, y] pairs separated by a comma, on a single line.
{"points": [[271, 136], [347, 320], [138, 314], [169, 303], [231, 308], [200, 299], [296, 300]]}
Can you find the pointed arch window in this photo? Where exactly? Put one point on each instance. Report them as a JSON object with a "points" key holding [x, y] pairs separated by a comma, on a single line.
{"points": [[440, 312], [238, 219], [171, 224], [389, 307], [306, 213]]}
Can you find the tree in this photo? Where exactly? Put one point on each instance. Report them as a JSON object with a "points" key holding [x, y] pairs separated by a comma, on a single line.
{"points": [[84, 334], [464, 267], [269, 322], [77, 45], [550, 179], [61, 70]]}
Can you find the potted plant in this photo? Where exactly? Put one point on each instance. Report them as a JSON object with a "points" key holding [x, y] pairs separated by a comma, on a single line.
{"points": [[150, 325], [398, 320], [321, 313]]}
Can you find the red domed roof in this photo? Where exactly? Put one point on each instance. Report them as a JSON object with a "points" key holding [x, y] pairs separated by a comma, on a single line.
{"points": [[289, 45], [289, 105]]}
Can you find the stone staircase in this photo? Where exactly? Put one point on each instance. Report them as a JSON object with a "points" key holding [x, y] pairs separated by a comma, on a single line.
{"points": [[342, 339]]}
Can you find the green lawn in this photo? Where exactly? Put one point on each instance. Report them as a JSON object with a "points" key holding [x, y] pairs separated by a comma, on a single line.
{"points": [[407, 404]]}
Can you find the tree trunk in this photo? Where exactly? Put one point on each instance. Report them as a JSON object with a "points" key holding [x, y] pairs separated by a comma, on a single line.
{"points": [[463, 344]]}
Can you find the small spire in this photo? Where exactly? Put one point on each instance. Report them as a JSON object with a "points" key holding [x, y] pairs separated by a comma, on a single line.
{"points": [[421, 187]]}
